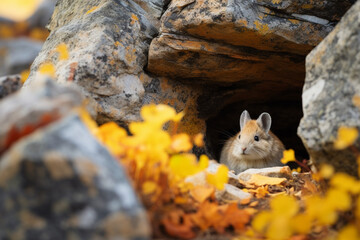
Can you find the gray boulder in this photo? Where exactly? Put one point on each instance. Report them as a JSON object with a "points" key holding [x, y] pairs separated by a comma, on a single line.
{"points": [[56, 180], [60, 183], [332, 80]]}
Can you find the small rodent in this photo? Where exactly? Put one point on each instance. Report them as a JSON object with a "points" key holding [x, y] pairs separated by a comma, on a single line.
{"points": [[255, 146]]}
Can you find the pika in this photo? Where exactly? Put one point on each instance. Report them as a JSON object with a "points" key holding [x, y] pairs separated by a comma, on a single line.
{"points": [[255, 146]]}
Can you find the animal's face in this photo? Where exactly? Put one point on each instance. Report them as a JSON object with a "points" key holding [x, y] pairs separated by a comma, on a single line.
{"points": [[252, 142]]}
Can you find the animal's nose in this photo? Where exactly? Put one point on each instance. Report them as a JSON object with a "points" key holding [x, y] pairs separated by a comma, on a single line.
{"points": [[244, 149]]}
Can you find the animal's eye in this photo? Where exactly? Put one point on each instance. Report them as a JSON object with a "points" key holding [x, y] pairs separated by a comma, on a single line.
{"points": [[256, 138], [239, 136]]}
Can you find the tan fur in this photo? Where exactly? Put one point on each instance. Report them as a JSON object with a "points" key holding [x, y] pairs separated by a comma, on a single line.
{"points": [[266, 152]]}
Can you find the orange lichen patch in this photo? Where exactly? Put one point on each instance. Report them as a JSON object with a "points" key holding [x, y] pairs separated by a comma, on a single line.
{"points": [[294, 21], [261, 27], [73, 67], [16, 133], [242, 22], [130, 54], [47, 69], [62, 51], [134, 19], [117, 43], [92, 10], [276, 1]]}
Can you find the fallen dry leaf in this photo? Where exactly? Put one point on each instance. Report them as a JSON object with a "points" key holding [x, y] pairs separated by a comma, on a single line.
{"points": [[201, 193], [260, 180], [178, 225]]}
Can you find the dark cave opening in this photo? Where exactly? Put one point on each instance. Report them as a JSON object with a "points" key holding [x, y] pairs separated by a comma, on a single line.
{"points": [[285, 116]]}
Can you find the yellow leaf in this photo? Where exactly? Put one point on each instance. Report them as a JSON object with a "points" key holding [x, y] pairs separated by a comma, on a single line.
{"points": [[184, 165], [320, 209], [284, 205], [91, 10], [279, 228], [346, 137], [301, 223], [326, 171], [261, 221], [260, 180], [181, 143], [338, 199], [178, 117], [24, 75], [349, 232], [47, 69], [157, 114], [219, 178], [112, 135], [63, 51], [199, 140], [88, 121], [203, 162], [357, 212], [18, 10], [296, 170], [345, 182], [288, 156], [358, 164], [149, 187]]}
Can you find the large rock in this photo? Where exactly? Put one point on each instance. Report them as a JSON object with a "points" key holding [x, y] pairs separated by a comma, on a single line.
{"points": [[107, 43], [230, 41], [60, 183], [332, 80]]}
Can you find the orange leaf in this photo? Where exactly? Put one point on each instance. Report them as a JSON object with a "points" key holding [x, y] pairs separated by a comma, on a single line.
{"points": [[177, 224], [201, 193], [181, 143], [260, 192], [236, 217], [199, 140]]}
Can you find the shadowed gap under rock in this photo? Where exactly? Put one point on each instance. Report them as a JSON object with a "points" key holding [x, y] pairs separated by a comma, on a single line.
{"points": [[285, 116]]}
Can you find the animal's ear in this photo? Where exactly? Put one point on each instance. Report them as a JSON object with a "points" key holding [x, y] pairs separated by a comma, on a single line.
{"points": [[264, 121], [244, 118]]}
